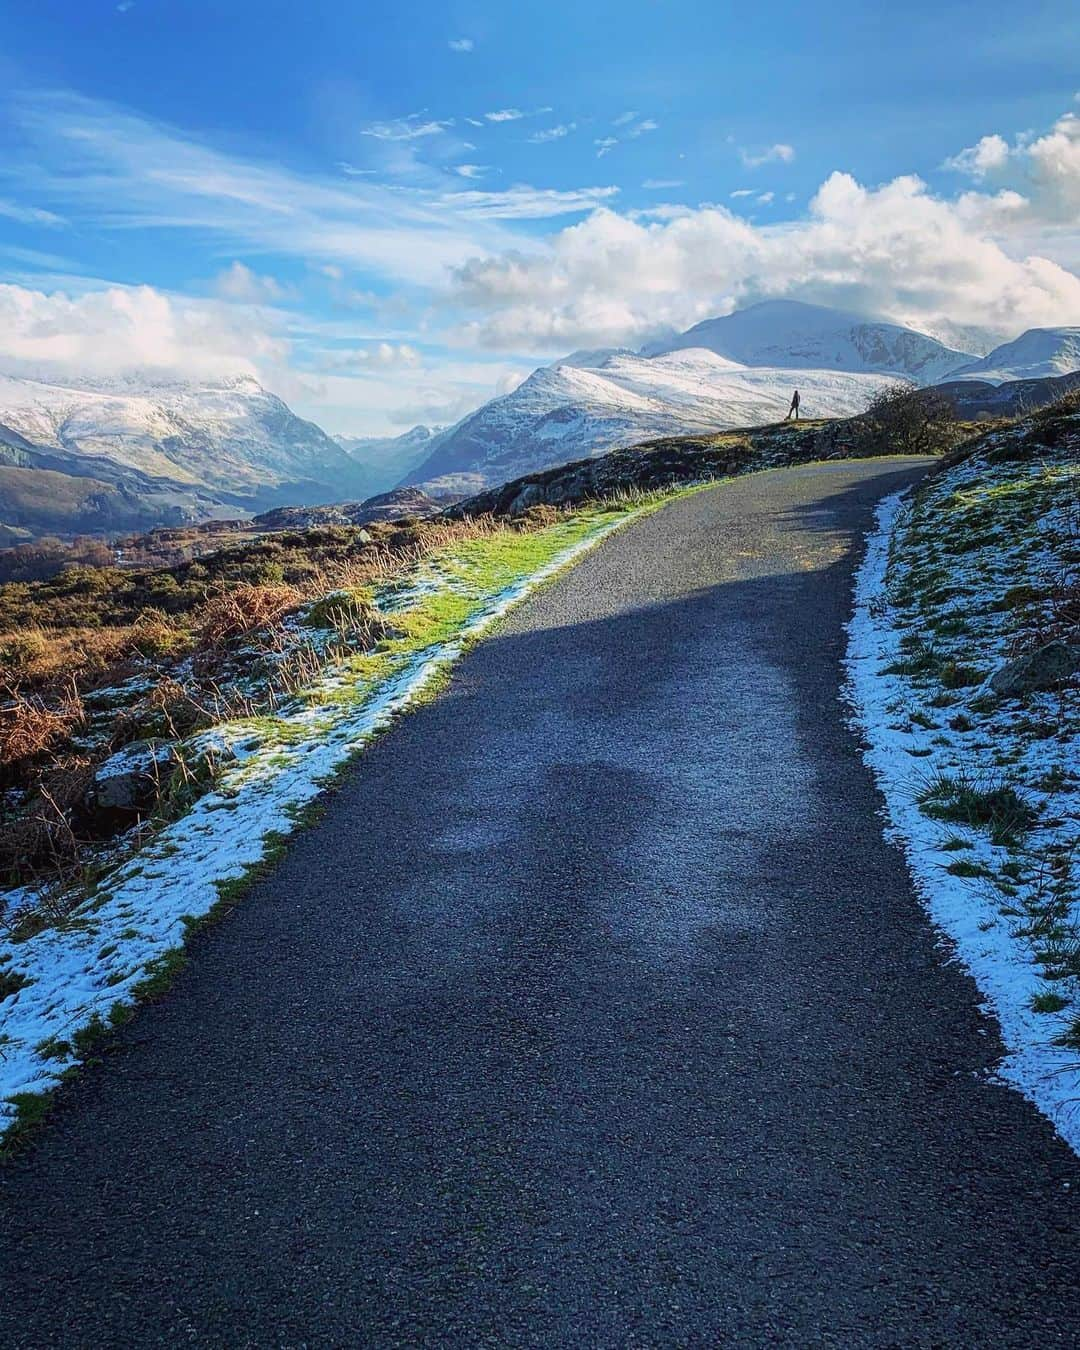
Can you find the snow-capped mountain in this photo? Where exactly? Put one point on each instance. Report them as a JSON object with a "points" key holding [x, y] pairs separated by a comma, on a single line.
{"points": [[382, 461], [1037, 354], [232, 437], [566, 412], [134, 451], [790, 335]]}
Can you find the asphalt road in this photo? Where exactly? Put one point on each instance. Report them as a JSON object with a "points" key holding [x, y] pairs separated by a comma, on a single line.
{"points": [[595, 1012]]}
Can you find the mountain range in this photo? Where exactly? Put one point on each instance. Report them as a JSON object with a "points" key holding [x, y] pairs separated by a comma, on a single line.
{"points": [[726, 372], [381, 460], [82, 456], [132, 452]]}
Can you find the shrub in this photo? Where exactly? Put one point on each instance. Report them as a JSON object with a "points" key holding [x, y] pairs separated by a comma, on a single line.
{"points": [[20, 652], [29, 726], [907, 421], [242, 610], [349, 612]]}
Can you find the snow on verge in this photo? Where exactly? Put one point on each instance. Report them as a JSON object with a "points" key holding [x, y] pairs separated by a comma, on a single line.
{"points": [[1002, 964], [82, 971]]}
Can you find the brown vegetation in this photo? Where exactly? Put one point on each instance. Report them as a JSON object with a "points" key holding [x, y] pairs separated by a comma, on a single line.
{"points": [[903, 420]]}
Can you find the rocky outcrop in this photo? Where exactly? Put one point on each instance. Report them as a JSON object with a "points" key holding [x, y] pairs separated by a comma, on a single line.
{"points": [[131, 780], [1048, 667]]}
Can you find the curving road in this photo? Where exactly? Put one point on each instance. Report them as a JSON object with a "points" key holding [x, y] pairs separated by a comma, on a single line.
{"points": [[595, 1012]]}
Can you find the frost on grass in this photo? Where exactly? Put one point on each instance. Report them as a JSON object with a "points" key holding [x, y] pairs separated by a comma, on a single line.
{"points": [[979, 566], [66, 976]]}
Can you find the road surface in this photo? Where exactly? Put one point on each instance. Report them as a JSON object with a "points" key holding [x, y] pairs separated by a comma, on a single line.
{"points": [[595, 1012]]}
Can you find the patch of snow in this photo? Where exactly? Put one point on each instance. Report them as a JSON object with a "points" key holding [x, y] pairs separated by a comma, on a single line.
{"points": [[903, 757], [81, 970]]}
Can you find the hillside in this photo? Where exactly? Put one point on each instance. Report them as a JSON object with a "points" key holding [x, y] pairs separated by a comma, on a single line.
{"points": [[165, 451], [981, 398], [382, 461], [1038, 353], [562, 412], [791, 335], [965, 670]]}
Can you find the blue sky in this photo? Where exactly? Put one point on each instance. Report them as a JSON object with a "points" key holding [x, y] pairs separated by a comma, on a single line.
{"points": [[389, 212]]}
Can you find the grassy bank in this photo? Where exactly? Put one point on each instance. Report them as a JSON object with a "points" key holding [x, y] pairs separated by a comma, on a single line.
{"points": [[82, 950], [961, 668]]}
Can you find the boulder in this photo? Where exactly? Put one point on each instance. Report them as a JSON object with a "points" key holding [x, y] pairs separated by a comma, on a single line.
{"points": [[132, 779], [1047, 667]]}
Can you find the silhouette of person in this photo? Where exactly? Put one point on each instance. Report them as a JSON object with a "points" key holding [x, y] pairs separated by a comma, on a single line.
{"points": [[793, 411]]}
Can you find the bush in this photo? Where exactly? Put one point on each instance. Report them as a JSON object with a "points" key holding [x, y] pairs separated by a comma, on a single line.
{"points": [[902, 420], [28, 726], [243, 610]]}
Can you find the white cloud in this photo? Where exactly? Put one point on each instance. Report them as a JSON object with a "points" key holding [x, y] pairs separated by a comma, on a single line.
{"points": [[404, 129], [624, 119], [775, 154], [1038, 177], [512, 114], [29, 215], [528, 203], [117, 172], [640, 128], [553, 133], [471, 170], [896, 251], [241, 284], [121, 328], [661, 183], [604, 145], [987, 155], [373, 356], [461, 44], [742, 192], [764, 198], [1053, 162]]}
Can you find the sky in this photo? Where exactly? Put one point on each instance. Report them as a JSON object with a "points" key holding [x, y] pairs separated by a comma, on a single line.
{"points": [[390, 212]]}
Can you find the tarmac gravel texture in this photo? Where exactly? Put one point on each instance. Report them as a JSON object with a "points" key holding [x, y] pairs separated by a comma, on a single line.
{"points": [[595, 1011]]}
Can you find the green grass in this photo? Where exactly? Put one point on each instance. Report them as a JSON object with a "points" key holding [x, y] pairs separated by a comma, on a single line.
{"points": [[473, 572], [993, 806]]}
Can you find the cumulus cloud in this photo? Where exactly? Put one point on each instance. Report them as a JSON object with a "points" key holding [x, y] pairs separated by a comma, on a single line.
{"points": [[505, 115], [605, 144], [988, 154], [471, 170], [241, 284], [373, 356], [774, 154], [1038, 176], [122, 328], [894, 250]]}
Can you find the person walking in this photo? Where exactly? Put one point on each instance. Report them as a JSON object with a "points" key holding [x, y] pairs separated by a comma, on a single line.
{"points": [[793, 411]]}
